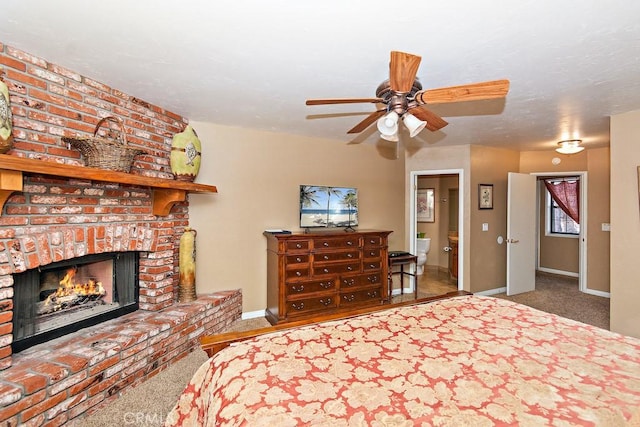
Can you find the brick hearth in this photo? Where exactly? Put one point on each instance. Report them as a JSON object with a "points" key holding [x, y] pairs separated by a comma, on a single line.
{"points": [[58, 381], [56, 218]]}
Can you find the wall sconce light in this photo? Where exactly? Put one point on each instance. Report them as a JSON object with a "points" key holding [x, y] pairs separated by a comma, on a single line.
{"points": [[570, 146]]}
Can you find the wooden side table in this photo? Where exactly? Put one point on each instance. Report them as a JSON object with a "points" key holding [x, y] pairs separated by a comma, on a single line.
{"points": [[402, 260]]}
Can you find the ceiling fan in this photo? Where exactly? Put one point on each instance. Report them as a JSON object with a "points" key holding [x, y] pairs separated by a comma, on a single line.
{"points": [[402, 97]]}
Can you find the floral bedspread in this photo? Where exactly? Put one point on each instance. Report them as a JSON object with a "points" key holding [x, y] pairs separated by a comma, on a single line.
{"points": [[464, 361]]}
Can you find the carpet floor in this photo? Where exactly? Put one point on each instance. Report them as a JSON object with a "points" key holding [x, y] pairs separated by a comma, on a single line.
{"points": [[149, 403], [561, 295]]}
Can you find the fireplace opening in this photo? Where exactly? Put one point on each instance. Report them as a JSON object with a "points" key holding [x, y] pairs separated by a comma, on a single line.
{"points": [[64, 297]]}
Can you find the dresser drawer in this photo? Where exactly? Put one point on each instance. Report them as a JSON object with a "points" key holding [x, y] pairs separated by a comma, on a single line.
{"points": [[304, 306], [297, 272], [336, 256], [297, 259], [294, 289], [349, 282], [372, 253], [297, 245], [336, 242], [371, 265], [372, 241], [361, 297], [336, 268]]}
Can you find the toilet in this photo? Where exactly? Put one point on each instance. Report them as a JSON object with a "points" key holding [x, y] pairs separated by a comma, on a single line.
{"points": [[423, 244]]}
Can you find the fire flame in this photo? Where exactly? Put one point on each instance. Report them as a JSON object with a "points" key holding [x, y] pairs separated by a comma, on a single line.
{"points": [[69, 288]]}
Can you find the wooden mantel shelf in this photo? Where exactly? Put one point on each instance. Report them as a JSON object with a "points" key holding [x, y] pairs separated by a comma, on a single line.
{"points": [[166, 192]]}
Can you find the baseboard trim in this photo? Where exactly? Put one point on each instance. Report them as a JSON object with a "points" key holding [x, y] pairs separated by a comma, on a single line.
{"points": [[597, 293], [492, 291], [558, 272], [253, 314]]}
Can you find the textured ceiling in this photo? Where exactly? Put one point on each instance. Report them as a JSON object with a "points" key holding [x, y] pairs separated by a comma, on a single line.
{"points": [[253, 63]]}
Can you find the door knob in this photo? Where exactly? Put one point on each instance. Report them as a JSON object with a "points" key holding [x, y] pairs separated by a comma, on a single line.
{"points": [[447, 249], [512, 240]]}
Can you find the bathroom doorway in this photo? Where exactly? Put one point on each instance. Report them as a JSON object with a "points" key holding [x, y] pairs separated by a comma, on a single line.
{"points": [[442, 272]]}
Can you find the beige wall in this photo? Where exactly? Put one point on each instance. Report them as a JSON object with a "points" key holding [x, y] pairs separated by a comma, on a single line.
{"points": [[625, 224], [258, 176], [488, 266], [599, 207], [597, 165]]}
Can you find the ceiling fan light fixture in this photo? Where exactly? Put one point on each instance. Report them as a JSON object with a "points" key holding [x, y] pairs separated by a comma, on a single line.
{"points": [[392, 138], [414, 124], [570, 146], [388, 125]]}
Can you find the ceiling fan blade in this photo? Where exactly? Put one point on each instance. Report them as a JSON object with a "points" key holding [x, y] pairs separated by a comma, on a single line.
{"points": [[341, 101], [470, 92], [403, 69], [434, 121], [368, 121]]}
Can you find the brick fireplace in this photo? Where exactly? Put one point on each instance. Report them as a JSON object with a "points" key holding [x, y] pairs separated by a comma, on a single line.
{"points": [[56, 219]]}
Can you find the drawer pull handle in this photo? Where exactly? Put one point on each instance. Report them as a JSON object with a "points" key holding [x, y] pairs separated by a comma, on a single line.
{"points": [[298, 274], [373, 279], [297, 288], [298, 306], [325, 244], [326, 285], [349, 268], [349, 255], [372, 266], [372, 253], [325, 302], [326, 270], [298, 259], [349, 243], [373, 294], [349, 282], [372, 241], [326, 257], [298, 245], [349, 298]]}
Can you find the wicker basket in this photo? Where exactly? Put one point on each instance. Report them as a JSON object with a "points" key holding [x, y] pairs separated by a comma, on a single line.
{"points": [[103, 153]]}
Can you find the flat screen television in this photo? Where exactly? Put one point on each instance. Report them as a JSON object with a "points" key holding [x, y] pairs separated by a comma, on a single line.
{"points": [[328, 207]]}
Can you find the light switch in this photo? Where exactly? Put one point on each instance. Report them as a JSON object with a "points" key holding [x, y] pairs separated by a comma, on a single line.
{"points": [[606, 226], [485, 226]]}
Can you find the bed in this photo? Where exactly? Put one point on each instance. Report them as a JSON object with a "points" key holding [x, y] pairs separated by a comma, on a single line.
{"points": [[461, 361]]}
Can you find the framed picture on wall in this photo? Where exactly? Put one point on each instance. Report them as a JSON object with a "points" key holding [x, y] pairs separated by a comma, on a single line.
{"points": [[425, 205], [485, 196]]}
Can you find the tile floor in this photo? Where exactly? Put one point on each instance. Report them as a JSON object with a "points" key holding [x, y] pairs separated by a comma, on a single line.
{"points": [[432, 282]]}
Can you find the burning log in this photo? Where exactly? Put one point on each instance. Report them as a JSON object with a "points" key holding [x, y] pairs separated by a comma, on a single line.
{"points": [[70, 294]]}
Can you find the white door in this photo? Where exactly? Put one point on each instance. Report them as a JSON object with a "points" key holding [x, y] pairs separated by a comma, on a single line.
{"points": [[521, 233]]}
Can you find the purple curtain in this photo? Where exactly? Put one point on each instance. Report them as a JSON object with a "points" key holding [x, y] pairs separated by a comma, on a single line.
{"points": [[567, 195]]}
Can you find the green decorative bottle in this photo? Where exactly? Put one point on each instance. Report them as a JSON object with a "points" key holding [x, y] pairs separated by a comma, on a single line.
{"points": [[6, 126], [185, 155]]}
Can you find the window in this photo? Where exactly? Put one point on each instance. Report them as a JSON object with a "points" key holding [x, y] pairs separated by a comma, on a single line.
{"points": [[559, 222], [562, 206]]}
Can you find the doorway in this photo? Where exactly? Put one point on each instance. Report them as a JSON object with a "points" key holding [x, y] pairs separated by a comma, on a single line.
{"points": [[446, 220], [581, 272], [514, 236]]}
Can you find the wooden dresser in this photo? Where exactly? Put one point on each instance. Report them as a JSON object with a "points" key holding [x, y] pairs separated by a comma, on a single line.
{"points": [[314, 274]]}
